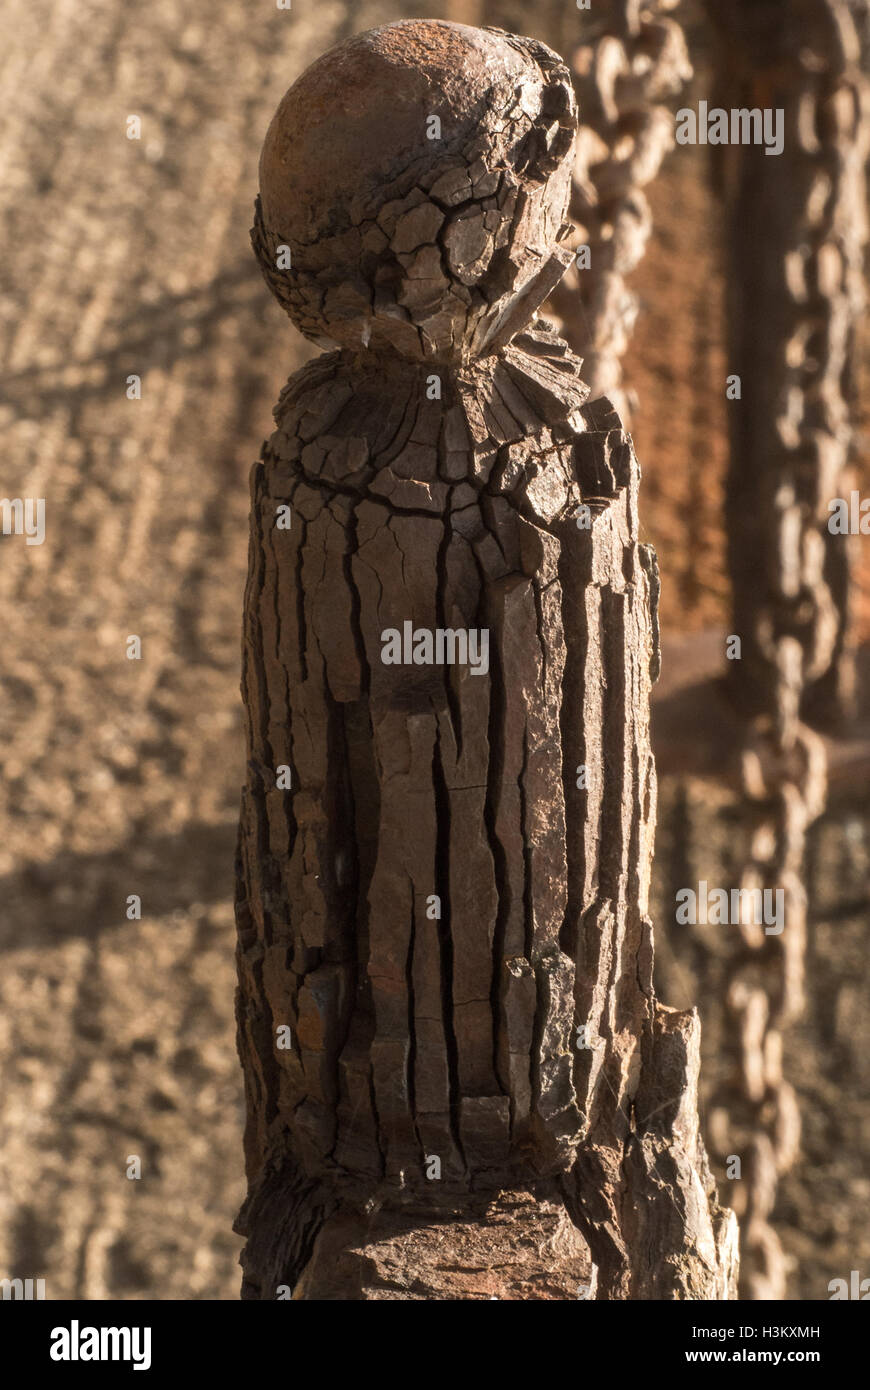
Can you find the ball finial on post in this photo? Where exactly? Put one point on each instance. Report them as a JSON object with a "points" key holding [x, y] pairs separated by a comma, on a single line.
{"points": [[417, 177]]}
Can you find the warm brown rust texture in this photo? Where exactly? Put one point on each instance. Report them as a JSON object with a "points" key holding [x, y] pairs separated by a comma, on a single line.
{"points": [[437, 907]]}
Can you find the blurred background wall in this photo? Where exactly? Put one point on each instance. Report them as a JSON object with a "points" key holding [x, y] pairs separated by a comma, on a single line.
{"points": [[131, 257]]}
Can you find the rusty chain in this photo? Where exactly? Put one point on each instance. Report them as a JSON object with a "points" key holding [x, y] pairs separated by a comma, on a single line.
{"points": [[795, 609], [756, 1116], [632, 60]]}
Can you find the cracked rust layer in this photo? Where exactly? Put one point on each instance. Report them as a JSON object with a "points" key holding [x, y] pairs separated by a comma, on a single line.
{"points": [[417, 1036]]}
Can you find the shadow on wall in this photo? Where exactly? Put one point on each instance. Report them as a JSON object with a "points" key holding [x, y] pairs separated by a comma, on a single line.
{"points": [[81, 895]]}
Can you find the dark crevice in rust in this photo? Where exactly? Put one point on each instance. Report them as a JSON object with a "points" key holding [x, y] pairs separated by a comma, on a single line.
{"points": [[445, 942]]}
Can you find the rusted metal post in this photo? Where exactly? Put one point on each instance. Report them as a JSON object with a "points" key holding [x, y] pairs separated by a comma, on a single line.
{"points": [[459, 1082]]}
